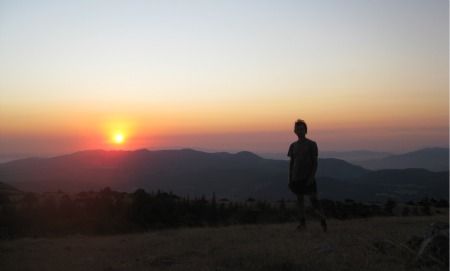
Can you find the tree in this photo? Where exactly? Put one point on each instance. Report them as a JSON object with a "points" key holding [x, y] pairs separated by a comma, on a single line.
{"points": [[389, 206], [405, 211]]}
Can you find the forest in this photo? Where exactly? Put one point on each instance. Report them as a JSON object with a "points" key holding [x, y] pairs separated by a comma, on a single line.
{"points": [[112, 212]]}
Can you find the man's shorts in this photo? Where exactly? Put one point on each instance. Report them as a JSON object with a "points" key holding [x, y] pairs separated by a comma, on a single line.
{"points": [[300, 187]]}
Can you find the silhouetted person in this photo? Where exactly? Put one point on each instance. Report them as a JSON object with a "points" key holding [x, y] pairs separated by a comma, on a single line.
{"points": [[302, 171]]}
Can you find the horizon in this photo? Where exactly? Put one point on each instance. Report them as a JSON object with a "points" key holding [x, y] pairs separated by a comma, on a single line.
{"points": [[226, 76], [266, 155]]}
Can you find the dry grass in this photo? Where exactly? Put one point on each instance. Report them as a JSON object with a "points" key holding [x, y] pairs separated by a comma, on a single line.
{"points": [[348, 245]]}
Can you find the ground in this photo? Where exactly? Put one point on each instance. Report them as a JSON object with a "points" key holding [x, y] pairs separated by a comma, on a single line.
{"points": [[359, 244]]}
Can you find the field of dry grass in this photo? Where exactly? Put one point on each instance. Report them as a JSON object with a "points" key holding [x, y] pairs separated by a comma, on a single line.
{"points": [[348, 245]]}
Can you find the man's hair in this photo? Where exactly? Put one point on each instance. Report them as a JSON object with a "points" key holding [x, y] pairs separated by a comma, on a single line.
{"points": [[302, 122]]}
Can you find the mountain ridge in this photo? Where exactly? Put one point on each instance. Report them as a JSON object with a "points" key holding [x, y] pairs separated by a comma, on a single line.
{"points": [[434, 159], [192, 172]]}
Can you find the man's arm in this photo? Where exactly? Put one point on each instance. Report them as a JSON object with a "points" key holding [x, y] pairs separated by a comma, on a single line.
{"points": [[314, 167], [315, 162], [291, 162], [291, 168]]}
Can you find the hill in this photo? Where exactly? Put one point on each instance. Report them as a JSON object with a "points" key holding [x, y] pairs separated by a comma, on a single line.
{"points": [[366, 244], [7, 193], [355, 156], [183, 171], [5, 188], [403, 184], [190, 172], [349, 156], [434, 159]]}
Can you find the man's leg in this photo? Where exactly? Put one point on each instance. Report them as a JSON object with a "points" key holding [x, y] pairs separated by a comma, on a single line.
{"points": [[301, 211], [318, 211]]}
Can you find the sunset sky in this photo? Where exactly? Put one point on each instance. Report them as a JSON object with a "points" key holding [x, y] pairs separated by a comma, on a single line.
{"points": [[222, 75]]}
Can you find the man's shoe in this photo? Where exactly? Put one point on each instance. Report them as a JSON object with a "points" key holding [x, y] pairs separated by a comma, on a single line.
{"points": [[323, 223], [301, 227]]}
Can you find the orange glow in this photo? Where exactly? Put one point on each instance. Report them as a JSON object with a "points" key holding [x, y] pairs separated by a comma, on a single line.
{"points": [[119, 138], [120, 131]]}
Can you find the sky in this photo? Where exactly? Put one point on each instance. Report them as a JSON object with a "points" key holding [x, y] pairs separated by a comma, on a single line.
{"points": [[223, 75]]}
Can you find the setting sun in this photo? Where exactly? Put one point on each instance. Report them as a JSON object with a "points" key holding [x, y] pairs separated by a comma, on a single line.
{"points": [[119, 138]]}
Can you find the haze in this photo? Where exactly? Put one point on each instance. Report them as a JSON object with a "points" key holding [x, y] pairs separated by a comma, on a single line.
{"points": [[223, 75]]}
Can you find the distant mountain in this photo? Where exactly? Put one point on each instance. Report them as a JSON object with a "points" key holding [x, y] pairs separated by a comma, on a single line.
{"points": [[182, 171], [349, 156], [339, 169], [195, 173], [354, 156], [434, 159], [401, 184], [7, 190]]}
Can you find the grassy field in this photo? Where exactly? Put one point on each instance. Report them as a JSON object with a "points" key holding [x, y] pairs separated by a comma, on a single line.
{"points": [[348, 245]]}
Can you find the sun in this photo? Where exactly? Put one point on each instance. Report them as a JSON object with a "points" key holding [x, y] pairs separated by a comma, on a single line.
{"points": [[119, 138]]}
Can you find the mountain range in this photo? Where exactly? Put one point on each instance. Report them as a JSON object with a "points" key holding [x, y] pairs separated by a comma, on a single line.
{"points": [[433, 159], [355, 156], [194, 173]]}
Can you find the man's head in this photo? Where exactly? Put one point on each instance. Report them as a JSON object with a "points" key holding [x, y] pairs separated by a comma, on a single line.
{"points": [[300, 128]]}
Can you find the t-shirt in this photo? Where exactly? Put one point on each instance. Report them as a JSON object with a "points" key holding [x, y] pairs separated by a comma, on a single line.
{"points": [[304, 153]]}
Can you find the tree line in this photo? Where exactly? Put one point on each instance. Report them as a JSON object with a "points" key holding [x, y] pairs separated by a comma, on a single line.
{"points": [[112, 212]]}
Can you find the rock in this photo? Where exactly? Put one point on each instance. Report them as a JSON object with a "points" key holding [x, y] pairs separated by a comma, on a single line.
{"points": [[383, 246], [325, 248], [433, 246]]}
